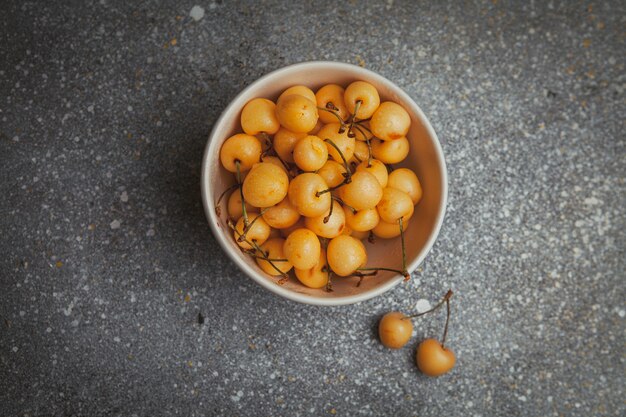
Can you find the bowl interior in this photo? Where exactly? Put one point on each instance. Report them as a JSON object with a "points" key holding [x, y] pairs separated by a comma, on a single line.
{"points": [[425, 158]]}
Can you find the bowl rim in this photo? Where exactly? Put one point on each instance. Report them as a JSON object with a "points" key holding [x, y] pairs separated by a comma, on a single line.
{"points": [[206, 188]]}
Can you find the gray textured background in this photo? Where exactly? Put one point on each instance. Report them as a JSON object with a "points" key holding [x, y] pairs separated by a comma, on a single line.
{"points": [[104, 112]]}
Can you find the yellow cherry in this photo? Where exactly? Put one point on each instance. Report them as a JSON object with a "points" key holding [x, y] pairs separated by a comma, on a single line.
{"points": [[302, 248], [335, 222], [404, 179], [315, 277], [330, 97], [363, 220], [243, 148], [376, 168], [297, 113], [273, 249], [299, 90], [364, 92], [235, 211], [433, 359], [310, 153], [395, 204], [361, 153], [282, 215], [390, 121], [284, 142], [390, 151], [265, 185], [258, 231], [332, 173], [363, 192], [345, 254], [305, 194], [385, 230], [395, 330], [339, 136], [259, 115]]}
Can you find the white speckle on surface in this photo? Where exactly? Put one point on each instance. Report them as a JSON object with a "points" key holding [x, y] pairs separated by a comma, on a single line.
{"points": [[237, 396], [90, 109], [124, 197], [150, 232], [22, 313], [621, 313], [116, 339], [115, 224], [129, 108], [592, 201], [15, 349], [196, 13], [422, 305], [49, 329], [16, 138]]}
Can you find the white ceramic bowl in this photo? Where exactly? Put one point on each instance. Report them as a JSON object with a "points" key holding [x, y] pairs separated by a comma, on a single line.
{"points": [[425, 158]]}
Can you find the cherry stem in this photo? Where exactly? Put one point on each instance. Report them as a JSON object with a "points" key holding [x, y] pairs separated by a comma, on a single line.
{"points": [[285, 164], [406, 274], [243, 201], [445, 330], [362, 275], [369, 146], [330, 212], [357, 105], [270, 259], [382, 269], [219, 200], [326, 268], [242, 236], [365, 274], [339, 200], [348, 177], [334, 113], [360, 123], [268, 142], [261, 251], [329, 283], [445, 299]]}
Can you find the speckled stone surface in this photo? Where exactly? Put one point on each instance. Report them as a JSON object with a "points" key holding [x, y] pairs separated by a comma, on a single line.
{"points": [[107, 259]]}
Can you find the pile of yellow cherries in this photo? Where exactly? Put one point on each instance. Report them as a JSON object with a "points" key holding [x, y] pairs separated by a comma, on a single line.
{"points": [[314, 177]]}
